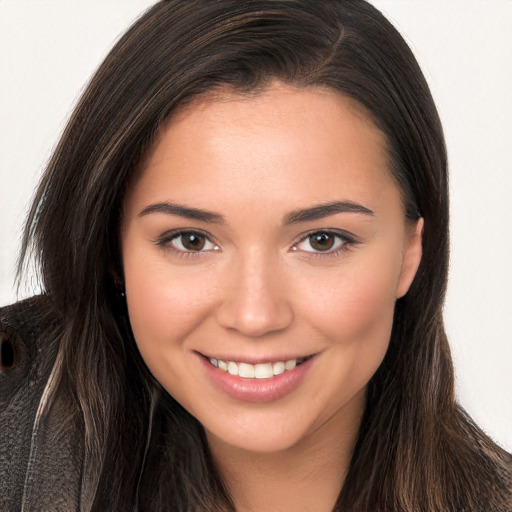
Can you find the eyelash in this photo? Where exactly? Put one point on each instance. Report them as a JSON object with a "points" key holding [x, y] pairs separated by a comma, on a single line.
{"points": [[342, 242], [165, 241]]}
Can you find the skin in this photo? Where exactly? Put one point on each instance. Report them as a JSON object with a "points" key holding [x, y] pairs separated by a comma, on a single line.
{"points": [[259, 289]]}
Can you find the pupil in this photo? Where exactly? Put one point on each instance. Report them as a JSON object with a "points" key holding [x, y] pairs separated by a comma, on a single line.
{"points": [[321, 241], [192, 242]]}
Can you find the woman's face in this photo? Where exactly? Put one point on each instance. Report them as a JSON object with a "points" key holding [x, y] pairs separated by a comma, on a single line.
{"points": [[267, 238]]}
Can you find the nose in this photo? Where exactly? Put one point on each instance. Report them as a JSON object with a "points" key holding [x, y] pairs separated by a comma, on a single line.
{"points": [[255, 301]]}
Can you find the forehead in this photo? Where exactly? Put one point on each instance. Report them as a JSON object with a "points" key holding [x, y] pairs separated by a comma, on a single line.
{"points": [[305, 143]]}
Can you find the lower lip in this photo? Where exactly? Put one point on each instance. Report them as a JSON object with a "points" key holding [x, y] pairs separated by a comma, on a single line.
{"points": [[256, 390]]}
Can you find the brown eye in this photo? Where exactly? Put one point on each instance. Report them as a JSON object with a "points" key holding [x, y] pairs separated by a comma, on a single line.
{"points": [[322, 241], [193, 241], [188, 242], [327, 242]]}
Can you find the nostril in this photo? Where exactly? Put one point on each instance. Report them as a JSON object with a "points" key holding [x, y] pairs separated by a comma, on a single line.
{"points": [[7, 353]]}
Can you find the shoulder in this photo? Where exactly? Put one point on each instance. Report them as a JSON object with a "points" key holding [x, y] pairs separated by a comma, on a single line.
{"points": [[28, 342], [28, 337], [29, 315]]}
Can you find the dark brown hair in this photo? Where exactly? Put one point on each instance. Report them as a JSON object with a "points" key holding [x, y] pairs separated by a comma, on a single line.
{"points": [[416, 450]]}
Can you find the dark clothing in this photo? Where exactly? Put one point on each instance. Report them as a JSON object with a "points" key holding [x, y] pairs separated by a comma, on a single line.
{"points": [[40, 458]]}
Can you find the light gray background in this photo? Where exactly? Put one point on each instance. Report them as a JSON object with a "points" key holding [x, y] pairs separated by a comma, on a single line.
{"points": [[49, 48]]}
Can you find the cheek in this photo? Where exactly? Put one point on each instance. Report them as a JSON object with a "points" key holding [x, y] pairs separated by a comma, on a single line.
{"points": [[355, 317], [164, 304], [354, 309], [164, 307]]}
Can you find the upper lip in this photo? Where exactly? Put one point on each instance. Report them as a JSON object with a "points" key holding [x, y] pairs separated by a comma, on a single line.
{"points": [[251, 359]]}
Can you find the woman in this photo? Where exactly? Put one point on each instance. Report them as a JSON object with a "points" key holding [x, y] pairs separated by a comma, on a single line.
{"points": [[243, 243]]}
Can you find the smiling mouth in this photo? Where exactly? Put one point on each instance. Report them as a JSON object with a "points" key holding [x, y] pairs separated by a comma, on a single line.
{"points": [[259, 370]]}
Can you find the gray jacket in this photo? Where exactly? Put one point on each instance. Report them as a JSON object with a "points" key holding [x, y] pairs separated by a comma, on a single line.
{"points": [[41, 451]]}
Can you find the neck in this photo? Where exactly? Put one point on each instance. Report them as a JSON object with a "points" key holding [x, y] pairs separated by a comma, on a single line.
{"points": [[306, 477]]}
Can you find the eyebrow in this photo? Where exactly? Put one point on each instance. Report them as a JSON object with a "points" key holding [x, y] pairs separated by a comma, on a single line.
{"points": [[325, 210], [295, 217], [183, 211]]}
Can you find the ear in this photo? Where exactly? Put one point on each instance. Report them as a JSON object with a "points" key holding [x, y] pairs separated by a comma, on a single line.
{"points": [[411, 257]]}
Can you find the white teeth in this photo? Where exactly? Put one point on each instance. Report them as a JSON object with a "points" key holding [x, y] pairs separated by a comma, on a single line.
{"points": [[263, 370], [255, 371], [232, 368], [245, 370], [290, 365], [279, 368]]}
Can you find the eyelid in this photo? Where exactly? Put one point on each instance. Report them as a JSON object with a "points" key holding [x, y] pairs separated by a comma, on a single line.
{"points": [[347, 238], [165, 239]]}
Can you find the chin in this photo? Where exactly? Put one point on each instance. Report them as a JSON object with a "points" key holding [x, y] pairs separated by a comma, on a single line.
{"points": [[258, 440]]}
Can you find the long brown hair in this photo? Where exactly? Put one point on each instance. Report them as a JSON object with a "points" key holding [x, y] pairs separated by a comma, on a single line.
{"points": [[416, 450]]}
